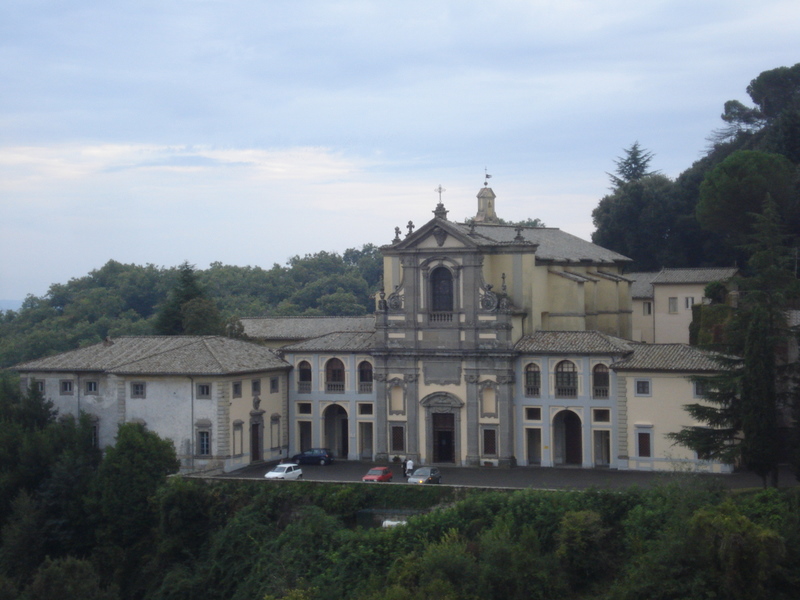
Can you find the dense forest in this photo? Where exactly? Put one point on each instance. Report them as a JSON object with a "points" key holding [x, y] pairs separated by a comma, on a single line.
{"points": [[119, 299], [78, 524]]}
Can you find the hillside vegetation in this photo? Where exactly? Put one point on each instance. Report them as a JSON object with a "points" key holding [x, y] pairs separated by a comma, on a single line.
{"points": [[119, 299], [78, 524]]}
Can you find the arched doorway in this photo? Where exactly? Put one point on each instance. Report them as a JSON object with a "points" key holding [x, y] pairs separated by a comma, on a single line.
{"points": [[568, 437], [335, 428]]}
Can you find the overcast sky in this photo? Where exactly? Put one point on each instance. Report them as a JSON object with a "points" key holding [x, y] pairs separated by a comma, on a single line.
{"points": [[247, 132]]}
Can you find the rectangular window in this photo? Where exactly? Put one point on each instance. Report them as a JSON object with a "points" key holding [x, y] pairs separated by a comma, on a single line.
{"points": [[90, 387], [673, 305], [699, 389], [138, 389], [398, 438], [601, 415], [238, 435], [689, 302], [304, 408], [533, 413], [204, 390], [66, 387], [255, 387], [274, 385], [38, 385], [647, 308], [204, 443], [644, 445], [643, 387], [364, 408], [236, 389], [95, 435], [490, 442]]}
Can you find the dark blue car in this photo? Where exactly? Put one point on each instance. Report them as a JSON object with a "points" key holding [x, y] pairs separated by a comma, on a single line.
{"points": [[314, 456]]}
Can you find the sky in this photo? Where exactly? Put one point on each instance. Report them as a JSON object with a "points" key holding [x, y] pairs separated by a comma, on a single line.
{"points": [[248, 132]]}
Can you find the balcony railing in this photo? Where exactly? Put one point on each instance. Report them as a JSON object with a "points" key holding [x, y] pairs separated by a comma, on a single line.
{"points": [[440, 317], [365, 387], [532, 391], [304, 387], [566, 392], [334, 387], [600, 392]]}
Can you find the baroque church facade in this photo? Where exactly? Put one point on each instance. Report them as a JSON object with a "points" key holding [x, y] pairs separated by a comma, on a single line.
{"points": [[496, 345]]}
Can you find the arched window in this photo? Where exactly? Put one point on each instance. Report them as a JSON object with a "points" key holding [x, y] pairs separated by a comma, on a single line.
{"points": [[334, 375], [566, 380], [441, 290], [365, 377], [304, 378], [600, 381], [533, 380]]}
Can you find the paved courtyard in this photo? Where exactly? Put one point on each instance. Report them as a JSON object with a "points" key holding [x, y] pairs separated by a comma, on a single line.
{"points": [[523, 477]]}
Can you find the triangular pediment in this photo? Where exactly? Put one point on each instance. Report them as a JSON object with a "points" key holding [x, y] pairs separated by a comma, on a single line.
{"points": [[436, 233]]}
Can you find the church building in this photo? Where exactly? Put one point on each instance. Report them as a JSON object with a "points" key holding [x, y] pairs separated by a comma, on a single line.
{"points": [[498, 345]]}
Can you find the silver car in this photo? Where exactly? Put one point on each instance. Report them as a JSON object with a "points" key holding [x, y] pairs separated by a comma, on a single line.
{"points": [[285, 471], [426, 475]]}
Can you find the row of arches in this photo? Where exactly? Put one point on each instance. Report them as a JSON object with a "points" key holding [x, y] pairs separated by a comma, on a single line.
{"points": [[334, 376], [566, 380], [566, 437]]}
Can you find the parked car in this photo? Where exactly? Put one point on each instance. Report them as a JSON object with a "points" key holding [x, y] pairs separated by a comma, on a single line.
{"points": [[285, 471], [426, 475], [378, 474], [314, 456]]}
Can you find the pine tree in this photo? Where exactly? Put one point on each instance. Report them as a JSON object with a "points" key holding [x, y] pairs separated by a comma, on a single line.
{"points": [[741, 412], [187, 310], [633, 166]]}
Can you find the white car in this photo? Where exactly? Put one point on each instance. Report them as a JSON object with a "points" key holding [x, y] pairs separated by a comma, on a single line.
{"points": [[285, 471]]}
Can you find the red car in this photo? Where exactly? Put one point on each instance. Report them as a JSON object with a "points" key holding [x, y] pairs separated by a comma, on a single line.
{"points": [[378, 474]]}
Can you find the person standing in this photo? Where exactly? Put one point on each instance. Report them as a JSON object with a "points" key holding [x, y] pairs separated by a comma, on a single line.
{"points": [[409, 467]]}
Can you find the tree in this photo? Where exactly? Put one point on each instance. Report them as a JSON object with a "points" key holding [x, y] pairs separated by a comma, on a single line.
{"points": [[187, 309], [639, 220], [128, 477], [740, 415], [737, 188], [68, 578], [632, 167], [759, 400]]}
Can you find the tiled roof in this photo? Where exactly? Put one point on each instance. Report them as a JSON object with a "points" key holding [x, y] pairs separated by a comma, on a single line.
{"points": [[164, 355], [572, 342], [642, 286], [300, 328], [668, 357], [553, 244], [694, 275], [341, 341]]}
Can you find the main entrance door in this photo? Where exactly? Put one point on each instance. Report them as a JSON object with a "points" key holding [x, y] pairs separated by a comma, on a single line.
{"points": [[444, 430]]}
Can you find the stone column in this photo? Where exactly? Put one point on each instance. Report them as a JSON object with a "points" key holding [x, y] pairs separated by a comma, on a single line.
{"points": [[505, 409], [472, 410]]}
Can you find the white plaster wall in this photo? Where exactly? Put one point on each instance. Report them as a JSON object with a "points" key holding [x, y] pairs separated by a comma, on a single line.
{"points": [[673, 328], [663, 411]]}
